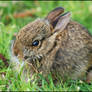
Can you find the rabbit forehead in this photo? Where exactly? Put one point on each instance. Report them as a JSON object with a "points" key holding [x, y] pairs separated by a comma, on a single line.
{"points": [[32, 30]]}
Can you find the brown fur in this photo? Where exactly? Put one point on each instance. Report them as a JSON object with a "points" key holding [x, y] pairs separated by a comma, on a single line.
{"points": [[67, 52]]}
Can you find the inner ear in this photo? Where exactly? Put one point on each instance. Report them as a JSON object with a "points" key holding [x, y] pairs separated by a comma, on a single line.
{"points": [[61, 22], [52, 16]]}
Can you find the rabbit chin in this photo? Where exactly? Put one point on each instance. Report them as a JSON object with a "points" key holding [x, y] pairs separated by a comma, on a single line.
{"points": [[16, 63]]}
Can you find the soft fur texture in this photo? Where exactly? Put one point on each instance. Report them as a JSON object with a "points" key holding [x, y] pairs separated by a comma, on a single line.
{"points": [[64, 49]]}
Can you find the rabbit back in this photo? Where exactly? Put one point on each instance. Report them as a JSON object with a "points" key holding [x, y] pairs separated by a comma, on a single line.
{"points": [[74, 56]]}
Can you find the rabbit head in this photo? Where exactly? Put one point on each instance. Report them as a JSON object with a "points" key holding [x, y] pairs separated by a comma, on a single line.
{"points": [[36, 39]]}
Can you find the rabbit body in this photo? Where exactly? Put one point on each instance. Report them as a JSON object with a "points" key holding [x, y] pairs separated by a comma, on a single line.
{"points": [[74, 56], [64, 50]]}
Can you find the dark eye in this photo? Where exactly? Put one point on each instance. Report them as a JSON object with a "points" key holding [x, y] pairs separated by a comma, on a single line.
{"points": [[35, 43]]}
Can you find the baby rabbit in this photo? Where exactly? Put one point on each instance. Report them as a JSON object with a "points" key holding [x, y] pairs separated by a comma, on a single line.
{"points": [[55, 45]]}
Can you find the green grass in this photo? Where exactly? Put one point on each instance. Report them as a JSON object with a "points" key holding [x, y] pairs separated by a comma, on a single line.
{"points": [[81, 12]]}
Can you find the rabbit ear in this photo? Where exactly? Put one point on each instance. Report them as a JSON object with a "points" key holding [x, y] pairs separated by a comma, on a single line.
{"points": [[61, 22], [54, 14]]}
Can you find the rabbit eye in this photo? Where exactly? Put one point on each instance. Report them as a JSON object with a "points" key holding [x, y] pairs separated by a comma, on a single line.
{"points": [[35, 43]]}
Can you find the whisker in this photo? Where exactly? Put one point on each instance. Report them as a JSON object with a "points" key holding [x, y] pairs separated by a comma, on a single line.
{"points": [[32, 67]]}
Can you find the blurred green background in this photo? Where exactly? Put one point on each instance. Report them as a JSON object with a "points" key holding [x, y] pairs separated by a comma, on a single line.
{"points": [[81, 10], [15, 14]]}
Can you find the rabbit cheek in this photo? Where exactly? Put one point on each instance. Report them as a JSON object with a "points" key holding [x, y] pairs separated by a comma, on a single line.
{"points": [[32, 58], [35, 61]]}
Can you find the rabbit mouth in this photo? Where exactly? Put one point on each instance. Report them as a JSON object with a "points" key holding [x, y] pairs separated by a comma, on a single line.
{"points": [[34, 60]]}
